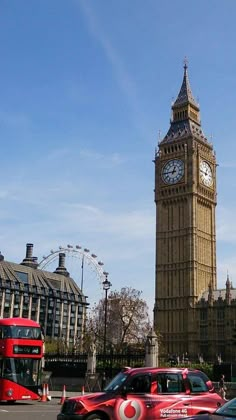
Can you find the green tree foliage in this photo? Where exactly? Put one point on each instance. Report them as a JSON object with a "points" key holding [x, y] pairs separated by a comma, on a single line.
{"points": [[204, 367], [57, 345], [51, 345], [127, 321]]}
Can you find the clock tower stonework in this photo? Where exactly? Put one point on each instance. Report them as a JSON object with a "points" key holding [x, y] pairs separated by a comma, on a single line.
{"points": [[185, 197]]}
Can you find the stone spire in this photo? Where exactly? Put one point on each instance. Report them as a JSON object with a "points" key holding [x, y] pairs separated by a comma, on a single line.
{"points": [[228, 284], [228, 290], [210, 294], [185, 120], [185, 95]]}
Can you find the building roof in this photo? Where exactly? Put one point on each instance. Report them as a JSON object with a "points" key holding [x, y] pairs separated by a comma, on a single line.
{"points": [[21, 275], [219, 294], [183, 129], [185, 95], [185, 122]]}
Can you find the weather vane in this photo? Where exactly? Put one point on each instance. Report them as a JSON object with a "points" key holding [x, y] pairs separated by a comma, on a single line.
{"points": [[185, 62]]}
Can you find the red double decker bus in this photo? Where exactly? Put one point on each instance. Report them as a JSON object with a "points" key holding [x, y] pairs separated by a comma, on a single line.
{"points": [[21, 353]]}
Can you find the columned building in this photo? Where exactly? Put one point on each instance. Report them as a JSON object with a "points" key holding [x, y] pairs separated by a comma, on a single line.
{"points": [[52, 299]]}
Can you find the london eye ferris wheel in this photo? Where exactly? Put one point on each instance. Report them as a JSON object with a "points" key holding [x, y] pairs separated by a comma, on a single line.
{"points": [[84, 267]]}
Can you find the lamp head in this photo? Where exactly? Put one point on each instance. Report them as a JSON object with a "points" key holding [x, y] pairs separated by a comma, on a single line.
{"points": [[106, 283]]}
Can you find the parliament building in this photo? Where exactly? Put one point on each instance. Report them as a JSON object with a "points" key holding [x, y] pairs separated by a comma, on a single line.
{"points": [[193, 317]]}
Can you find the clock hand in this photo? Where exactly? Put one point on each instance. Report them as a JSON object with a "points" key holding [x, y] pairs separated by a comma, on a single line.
{"points": [[172, 171]]}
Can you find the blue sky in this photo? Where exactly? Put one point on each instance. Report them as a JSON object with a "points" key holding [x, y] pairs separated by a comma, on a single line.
{"points": [[86, 86]]}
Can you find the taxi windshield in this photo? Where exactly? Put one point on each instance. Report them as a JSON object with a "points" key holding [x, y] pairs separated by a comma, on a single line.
{"points": [[116, 382], [228, 409]]}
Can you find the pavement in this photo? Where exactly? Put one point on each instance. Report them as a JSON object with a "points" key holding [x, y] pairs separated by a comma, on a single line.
{"points": [[59, 394]]}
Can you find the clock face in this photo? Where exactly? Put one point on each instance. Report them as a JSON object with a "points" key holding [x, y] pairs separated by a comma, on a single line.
{"points": [[173, 171], [206, 173]]}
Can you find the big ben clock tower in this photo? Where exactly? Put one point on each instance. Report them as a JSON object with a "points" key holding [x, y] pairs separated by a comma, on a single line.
{"points": [[185, 196]]}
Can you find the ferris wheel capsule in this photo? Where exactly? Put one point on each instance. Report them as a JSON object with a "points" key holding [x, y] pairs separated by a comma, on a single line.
{"points": [[82, 266]]}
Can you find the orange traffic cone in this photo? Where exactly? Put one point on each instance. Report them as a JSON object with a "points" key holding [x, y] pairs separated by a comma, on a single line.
{"points": [[82, 390], [44, 396], [47, 393], [63, 397]]}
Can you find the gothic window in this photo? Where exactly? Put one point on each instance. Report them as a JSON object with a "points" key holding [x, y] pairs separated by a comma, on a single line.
{"points": [[203, 332], [221, 331], [220, 315], [203, 315]]}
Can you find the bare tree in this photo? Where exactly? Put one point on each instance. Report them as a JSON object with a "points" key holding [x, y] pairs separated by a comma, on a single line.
{"points": [[127, 320]]}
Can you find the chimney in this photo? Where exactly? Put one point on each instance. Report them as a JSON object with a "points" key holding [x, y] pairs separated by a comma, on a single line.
{"points": [[61, 269], [1, 256], [29, 251], [29, 260]]}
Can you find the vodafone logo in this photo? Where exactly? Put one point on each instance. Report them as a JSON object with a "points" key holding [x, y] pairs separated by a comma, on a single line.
{"points": [[129, 410]]}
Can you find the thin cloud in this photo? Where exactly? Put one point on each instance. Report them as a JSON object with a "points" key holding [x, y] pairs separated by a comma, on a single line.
{"points": [[114, 158], [85, 208], [122, 76], [15, 119], [133, 224], [4, 194], [95, 28], [58, 153], [226, 227]]}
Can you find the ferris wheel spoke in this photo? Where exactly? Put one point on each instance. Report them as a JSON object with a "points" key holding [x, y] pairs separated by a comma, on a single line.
{"points": [[84, 268]]}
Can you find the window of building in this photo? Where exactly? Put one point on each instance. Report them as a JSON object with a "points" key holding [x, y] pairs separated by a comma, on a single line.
{"points": [[22, 276], [220, 315], [203, 315], [56, 284]]}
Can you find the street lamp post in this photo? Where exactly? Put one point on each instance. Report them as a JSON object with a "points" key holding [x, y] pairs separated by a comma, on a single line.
{"points": [[106, 286]]}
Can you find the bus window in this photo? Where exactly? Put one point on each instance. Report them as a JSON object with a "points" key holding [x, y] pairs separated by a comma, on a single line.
{"points": [[26, 332], [8, 369], [6, 332], [22, 371]]}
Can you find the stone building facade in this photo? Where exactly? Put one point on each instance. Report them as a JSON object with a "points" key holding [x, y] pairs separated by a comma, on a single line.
{"points": [[216, 324], [52, 299], [192, 316]]}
